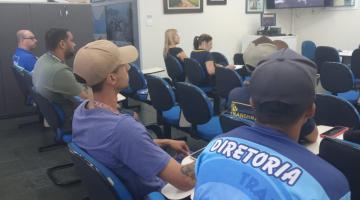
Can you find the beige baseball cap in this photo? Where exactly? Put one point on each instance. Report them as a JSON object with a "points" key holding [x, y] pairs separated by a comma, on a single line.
{"points": [[94, 61], [254, 53]]}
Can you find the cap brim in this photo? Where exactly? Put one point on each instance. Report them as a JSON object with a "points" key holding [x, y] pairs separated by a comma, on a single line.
{"points": [[128, 54]]}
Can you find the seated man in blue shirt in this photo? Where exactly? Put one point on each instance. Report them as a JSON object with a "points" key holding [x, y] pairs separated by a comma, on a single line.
{"points": [[265, 161], [23, 56], [118, 140]]}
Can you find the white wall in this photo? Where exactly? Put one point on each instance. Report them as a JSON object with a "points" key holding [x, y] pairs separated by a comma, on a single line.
{"points": [[337, 27], [227, 24]]}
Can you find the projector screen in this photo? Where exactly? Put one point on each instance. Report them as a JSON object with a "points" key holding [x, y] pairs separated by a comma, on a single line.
{"points": [[294, 3]]}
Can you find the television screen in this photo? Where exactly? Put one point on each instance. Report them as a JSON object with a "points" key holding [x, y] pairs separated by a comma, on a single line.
{"points": [[294, 3]]}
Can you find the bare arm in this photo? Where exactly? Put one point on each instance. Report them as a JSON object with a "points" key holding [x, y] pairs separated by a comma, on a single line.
{"points": [[182, 55], [312, 137], [182, 177], [210, 67]]}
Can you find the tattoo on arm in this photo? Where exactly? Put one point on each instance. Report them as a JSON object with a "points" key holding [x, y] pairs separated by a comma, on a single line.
{"points": [[188, 170]]}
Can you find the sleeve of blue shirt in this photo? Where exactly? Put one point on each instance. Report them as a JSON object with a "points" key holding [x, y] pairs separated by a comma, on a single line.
{"points": [[27, 62], [138, 151]]}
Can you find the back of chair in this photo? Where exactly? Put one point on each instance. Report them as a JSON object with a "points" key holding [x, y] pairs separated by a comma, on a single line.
{"points": [[308, 49], [194, 103], [20, 80], [334, 111], [219, 58], [51, 112], [336, 77], [194, 72], [161, 93], [345, 156], [100, 182], [355, 63], [238, 59], [174, 69], [229, 122], [226, 80], [325, 54], [137, 79]]}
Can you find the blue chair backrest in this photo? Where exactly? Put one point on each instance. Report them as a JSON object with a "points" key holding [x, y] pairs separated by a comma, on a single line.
{"points": [[219, 58], [174, 69], [137, 79], [226, 80], [308, 49], [20, 79], [194, 103], [238, 59], [355, 63], [161, 93], [52, 112], [336, 77], [101, 182], [345, 156], [335, 111], [325, 54], [194, 72]]}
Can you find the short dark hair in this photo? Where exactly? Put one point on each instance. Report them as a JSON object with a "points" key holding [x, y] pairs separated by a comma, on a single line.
{"points": [[278, 113], [53, 37], [199, 39]]}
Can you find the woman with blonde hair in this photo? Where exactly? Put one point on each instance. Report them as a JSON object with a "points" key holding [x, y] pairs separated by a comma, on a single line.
{"points": [[171, 40]]}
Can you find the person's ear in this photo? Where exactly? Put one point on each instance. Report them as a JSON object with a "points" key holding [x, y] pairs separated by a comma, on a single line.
{"points": [[62, 44], [310, 111]]}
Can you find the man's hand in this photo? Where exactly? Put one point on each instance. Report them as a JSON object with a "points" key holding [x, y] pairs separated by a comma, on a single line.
{"points": [[179, 146]]}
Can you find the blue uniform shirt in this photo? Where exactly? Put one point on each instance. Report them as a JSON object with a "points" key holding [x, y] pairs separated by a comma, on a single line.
{"points": [[122, 144], [251, 163], [24, 59]]}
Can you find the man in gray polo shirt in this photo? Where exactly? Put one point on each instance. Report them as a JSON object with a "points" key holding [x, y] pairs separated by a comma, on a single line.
{"points": [[53, 79]]}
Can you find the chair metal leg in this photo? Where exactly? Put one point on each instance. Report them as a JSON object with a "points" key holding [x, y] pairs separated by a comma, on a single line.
{"points": [[50, 172]]}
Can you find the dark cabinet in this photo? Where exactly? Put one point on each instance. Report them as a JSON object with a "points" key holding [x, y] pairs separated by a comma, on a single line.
{"points": [[38, 18]]}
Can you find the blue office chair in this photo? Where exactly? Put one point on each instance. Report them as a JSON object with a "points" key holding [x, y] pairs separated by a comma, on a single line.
{"points": [[24, 81], [174, 69], [54, 115], [219, 58], [100, 182], [335, 111], [325, 54], [355, 65], [137, 86], [164, 101], [198, 110], [345, 156], [338, 79], [308, 49], [225, 81], [238, 59], [196, 75]]}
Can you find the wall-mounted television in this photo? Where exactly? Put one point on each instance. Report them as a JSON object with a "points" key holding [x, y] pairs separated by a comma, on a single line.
{"points": [[275, 4]]}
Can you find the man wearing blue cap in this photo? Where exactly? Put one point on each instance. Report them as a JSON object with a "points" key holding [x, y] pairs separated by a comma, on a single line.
{"points": [[265, 161]]}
